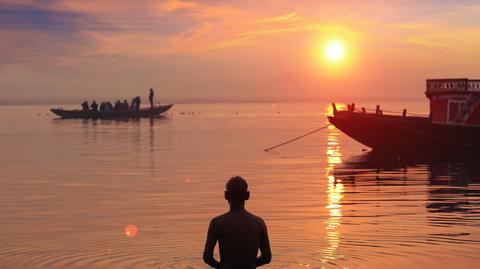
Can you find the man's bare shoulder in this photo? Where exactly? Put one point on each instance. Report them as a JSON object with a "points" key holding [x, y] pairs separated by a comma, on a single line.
{"points": [[255, 217], [229, 216], [246, 214], [220, 217]]}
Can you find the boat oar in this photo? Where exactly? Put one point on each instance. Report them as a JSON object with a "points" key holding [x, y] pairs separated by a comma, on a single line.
{"points": [[296, 138]]}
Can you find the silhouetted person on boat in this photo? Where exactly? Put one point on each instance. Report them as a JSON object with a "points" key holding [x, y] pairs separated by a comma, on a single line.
{"points": [[125, 105], [137, 102], [150, 97], [108, 106], [117, 106], [94, 106], [239, 233], [102, 106], [132, 104], [85, 106]]}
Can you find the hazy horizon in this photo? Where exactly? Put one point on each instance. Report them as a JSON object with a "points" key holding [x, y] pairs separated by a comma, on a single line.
{"points": [[78, 100]]}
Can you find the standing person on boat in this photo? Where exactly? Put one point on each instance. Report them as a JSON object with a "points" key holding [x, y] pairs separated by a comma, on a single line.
{"points": [[239, 233], [150, 97], [85, 106], [125, 105]]}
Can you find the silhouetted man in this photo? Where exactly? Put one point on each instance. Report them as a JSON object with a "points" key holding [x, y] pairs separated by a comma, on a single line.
{"points": [[94, 106], [85, 106], [133, 104], [137, 102], [117, 106], [239, 233], [150, 97], [108, 106]]}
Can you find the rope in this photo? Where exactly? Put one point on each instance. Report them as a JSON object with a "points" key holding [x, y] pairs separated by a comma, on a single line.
{"points": [[297, 138]]}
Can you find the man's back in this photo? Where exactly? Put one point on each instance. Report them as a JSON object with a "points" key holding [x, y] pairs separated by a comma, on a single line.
{"points": [[239, 236], [239, 233]]}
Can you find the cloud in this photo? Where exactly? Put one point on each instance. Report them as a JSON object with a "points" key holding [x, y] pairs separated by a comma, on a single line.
{"points": [[292, 16], [422, 41], [93, 37], [40, 19], [174, 5]]}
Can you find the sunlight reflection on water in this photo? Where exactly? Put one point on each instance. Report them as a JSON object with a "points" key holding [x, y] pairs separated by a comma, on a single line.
{"points": [[334, 199]]}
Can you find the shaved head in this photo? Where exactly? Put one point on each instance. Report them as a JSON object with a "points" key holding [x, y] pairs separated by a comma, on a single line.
{"points": [[237, 188]]}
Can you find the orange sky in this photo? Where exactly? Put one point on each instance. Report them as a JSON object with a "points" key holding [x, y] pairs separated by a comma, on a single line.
{"points": [[234, 50]]}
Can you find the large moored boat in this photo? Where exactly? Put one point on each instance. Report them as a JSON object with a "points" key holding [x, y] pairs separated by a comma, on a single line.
{"points": [[453, 123]]}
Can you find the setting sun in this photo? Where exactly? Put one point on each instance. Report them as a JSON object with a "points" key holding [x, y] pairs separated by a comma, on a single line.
{"points": [[334, 51]]}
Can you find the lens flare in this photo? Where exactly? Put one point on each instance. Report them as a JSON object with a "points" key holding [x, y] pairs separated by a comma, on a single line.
{"points": [[131, 230]]}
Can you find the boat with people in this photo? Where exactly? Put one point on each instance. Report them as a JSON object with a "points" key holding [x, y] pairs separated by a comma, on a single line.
{"points": [[120, 114], [119, 110], [453, 122]]}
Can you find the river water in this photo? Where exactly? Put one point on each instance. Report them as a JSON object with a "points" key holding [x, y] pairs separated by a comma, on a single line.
{"points": [[70, 187]]}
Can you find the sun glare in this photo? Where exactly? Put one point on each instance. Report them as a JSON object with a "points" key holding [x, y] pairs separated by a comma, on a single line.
{"points": [[334, 51], [131, 230]]}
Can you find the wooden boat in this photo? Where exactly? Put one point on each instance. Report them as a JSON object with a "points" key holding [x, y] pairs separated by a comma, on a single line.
{"points": [[141, 113], [453, 124]]}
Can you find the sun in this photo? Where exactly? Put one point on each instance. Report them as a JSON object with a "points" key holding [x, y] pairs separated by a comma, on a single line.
{"points": [[334, 56], [334, 51]]}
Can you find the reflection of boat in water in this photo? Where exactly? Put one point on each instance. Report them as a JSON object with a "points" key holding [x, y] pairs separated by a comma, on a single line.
{"points": [[396, 207], [382, 160], [141, 113], [454, 121], [452, 180]]}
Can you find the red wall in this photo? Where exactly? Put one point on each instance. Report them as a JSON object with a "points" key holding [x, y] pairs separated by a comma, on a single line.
{"points": [[438, 108], [475, 117]]}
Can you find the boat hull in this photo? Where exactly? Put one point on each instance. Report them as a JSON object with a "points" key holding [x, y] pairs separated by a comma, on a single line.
{"points": [[142, 113], [405, 134]]}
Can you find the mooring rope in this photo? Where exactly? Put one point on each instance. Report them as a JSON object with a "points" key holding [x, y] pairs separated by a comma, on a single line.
{"points": [[297, 138], [468, 145]]}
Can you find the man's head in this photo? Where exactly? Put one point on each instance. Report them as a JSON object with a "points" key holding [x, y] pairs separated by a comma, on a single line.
{"points": [[237, 190]]}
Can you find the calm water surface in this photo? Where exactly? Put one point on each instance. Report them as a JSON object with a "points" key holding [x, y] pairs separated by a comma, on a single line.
{"points": [[69, 188]]}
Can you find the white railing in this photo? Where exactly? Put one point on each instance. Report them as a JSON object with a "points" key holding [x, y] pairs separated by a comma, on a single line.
{"points": [[447, 84], [474, 85], [461, 85]]}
